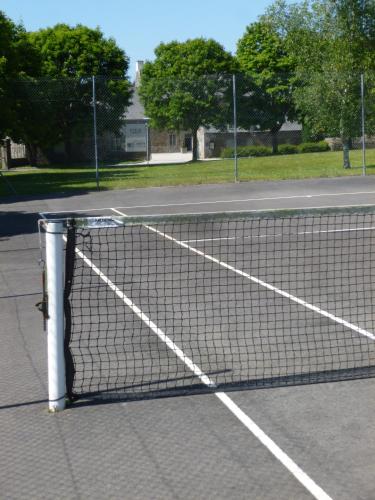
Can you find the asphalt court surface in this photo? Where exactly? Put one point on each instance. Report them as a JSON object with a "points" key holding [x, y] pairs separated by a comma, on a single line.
{"points": [[183, 447]]}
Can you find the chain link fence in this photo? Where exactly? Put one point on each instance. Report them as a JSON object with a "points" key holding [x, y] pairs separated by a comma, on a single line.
{"points": [[98, 122]]}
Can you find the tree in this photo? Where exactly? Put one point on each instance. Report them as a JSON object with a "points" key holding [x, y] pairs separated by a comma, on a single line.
{"points": [[263, 57], [17, 58], [185, 87], [337, 38], [63, 97]]}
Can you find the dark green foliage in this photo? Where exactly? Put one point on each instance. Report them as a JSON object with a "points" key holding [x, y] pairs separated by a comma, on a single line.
{"points": [[313, 147], [287, 149], [78, 51], [332, 43], [264, 59], [58, 107], [284, 149], [309, 136], [186, 86], [17, 58], [246, 151]]}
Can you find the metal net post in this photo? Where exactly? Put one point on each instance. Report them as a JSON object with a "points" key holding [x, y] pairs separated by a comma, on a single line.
{"points": [[55, 339]]}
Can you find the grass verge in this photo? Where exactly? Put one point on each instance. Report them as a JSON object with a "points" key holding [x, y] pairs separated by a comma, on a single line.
{"points": [[39, 181]]}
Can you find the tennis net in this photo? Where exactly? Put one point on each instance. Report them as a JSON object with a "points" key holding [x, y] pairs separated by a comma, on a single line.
{"points": [[182, 304]]}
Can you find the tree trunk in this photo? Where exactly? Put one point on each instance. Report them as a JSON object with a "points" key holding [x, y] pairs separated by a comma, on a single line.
{"points": [[68, 149], [31, 154], [274, 142], [194, 139], [6, 154], [345, 151], [275, 139]]}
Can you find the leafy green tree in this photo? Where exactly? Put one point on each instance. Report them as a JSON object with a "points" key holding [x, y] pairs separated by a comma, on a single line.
{"points": [[17, 58], [332, 42], [186, 86], [264, 59], [63, 97]]}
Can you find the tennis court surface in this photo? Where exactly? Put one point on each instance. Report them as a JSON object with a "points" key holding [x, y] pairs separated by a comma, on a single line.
{"points": [[211, 309]]}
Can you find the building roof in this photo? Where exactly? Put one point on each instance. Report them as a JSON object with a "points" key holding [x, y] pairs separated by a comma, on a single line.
{"points": [[286, 127], [135, 111]]}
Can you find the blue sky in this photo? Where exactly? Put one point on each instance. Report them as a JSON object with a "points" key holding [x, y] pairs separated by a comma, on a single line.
{"points": [[138, 26]]}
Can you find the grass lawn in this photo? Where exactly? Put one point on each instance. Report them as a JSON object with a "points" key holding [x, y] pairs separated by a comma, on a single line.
{"points": [[300, 166]]}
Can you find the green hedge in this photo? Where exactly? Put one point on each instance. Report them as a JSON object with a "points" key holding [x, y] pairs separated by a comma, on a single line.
{"points": [[246, 151], [283, 149], [313, 147], [288, 149]]}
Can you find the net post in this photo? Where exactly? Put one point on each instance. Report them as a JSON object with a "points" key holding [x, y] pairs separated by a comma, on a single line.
{"points": [[55, 325]]}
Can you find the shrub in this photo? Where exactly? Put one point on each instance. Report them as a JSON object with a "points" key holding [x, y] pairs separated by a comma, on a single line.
{"points": [[313, 147], [227, 153], [287, 149], [309, 136], [283, 149], [246, 151]]}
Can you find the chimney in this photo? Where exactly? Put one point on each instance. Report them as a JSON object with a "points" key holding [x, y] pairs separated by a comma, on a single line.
{"points": [[138, 71]]}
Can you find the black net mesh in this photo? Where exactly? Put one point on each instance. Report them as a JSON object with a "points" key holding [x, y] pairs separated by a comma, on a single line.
{"points": [[177, 307]]}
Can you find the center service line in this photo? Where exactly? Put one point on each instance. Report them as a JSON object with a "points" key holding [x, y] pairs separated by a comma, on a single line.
{"points": [[272, 447], [260, 282]]}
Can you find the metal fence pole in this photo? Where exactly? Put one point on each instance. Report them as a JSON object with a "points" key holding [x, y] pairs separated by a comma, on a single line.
{"points": [[363, 124], [95, 133], [235, 129]]}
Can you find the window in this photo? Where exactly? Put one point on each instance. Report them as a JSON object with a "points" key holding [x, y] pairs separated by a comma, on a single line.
{"points": [[172, 140], [135, 131]]}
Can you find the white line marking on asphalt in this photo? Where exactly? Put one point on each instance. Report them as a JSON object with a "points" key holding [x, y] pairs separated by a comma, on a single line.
{"points": [[141, 315], [276, 451], [257, 210], [276, 235], [258, 281], [318, 195]]}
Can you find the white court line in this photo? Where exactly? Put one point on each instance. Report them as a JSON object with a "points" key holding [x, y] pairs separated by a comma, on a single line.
{"points": [[258, 281], [276, 451], [255, 210], [288, 463], [280, 234], [319, 195], [248, 199], [179, 353]]}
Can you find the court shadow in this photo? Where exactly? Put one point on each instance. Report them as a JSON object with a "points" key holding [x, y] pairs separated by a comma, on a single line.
{"points": [[138, 393], [14, 223]]}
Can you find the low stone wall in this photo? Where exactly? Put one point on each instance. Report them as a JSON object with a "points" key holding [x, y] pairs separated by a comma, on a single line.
{"points": [[335, 143]]}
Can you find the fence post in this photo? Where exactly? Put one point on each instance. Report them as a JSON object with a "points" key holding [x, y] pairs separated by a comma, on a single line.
{"points": [[235, 128], [363, 124], [95, 133]]}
